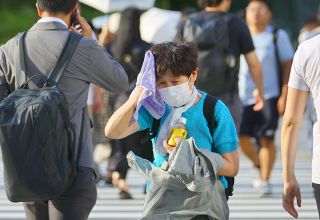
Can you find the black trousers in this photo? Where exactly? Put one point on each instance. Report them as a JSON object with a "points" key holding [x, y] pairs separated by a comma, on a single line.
{"points": [[316, 188], [74, 204]]}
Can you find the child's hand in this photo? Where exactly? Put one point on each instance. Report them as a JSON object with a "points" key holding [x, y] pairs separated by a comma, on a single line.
{"points": [[168, 148]]}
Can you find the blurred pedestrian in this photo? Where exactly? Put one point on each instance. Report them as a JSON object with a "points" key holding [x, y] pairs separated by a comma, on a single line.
{"points": [[109, 30], [275, 54], [129, 49], [184, 16], [221, 38], [311, 28], [304, 79], [89, 64]]}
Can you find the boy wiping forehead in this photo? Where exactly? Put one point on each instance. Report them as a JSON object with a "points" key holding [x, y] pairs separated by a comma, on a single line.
{"points": [[172, 68]]}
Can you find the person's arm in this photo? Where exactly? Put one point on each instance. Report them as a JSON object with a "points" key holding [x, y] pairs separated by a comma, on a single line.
{"points": [[225, 140], [230, 161], [296, 102], [256, 74], [119, 125], [246, 46], [96, 65], [231, 164]]}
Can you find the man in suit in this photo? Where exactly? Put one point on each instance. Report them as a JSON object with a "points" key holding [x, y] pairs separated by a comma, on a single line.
{"points": [[89, 64]]}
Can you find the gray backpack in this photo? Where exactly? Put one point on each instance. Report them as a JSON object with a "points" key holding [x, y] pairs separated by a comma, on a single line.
{"points": [[217, 64], [37, 137]]}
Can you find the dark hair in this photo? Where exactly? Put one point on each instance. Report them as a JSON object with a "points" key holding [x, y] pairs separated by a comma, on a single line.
{"points": [[128, 33], [180, 58], [57, 6], [266, 2], [209, 3], [311, 20]]}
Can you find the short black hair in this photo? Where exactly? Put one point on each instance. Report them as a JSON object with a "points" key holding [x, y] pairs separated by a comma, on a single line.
{"points": [[209, 3], [266, 2], [311, 20], [180, 58], [56, 6]]}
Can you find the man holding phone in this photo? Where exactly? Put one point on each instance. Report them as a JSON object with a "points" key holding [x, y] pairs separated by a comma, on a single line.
{"points": [[89, 64]]}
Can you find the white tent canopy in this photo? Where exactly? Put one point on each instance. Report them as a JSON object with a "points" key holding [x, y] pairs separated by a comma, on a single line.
{"points": [[158, 25], [108, 6]]}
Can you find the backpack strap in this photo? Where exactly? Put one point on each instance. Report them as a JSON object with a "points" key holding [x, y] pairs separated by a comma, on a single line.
{"points": [[275, 42], [20, 67], [153, 131], [64, 59], [21, 78], [208, 111]]}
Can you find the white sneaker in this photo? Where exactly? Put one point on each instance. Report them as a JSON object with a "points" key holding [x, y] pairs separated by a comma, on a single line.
{"points": [[256, 182], [265, 188]]}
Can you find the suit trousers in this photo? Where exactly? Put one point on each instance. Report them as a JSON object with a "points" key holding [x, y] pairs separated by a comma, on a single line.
{"points": [[76, 203], [316, 188]]}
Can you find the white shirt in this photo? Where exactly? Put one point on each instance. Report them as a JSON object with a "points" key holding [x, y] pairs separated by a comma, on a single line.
{"points": [[52, 19], [305, 75]]}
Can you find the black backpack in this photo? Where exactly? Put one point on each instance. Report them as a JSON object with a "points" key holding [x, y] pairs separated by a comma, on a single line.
{"points": [[37, 137], [208, 106], [275, 43], [217, 64]]}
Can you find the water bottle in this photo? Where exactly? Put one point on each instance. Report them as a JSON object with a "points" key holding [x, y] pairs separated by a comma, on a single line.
{"points": [[179, 130]]}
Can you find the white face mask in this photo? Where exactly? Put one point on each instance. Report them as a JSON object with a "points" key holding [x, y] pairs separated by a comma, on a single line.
{"points": [[176, 96]]}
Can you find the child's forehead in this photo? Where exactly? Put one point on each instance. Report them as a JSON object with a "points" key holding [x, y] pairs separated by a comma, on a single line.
{"points": [[169, 76]]}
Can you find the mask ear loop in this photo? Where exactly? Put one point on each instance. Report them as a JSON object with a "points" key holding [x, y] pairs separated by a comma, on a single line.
{"points": [[189, 82]]}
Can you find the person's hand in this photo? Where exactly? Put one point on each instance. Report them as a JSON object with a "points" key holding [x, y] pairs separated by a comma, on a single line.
{"points": [[86, 30], [106, 37], [291, 190], [168, 148], [281, 105], [259, 101]]}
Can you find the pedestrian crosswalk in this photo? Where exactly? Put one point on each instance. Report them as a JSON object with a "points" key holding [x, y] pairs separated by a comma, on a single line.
{"points": [[245, 204]]}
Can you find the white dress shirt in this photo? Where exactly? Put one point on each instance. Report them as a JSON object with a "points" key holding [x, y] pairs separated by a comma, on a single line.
{"points": [[52, 19]]}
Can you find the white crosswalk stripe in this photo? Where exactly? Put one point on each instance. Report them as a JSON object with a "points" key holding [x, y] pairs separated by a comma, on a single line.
{"points": [[245, 204]]}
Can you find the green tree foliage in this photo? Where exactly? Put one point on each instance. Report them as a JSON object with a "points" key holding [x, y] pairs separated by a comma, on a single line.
{"points": [[19, 15]]}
